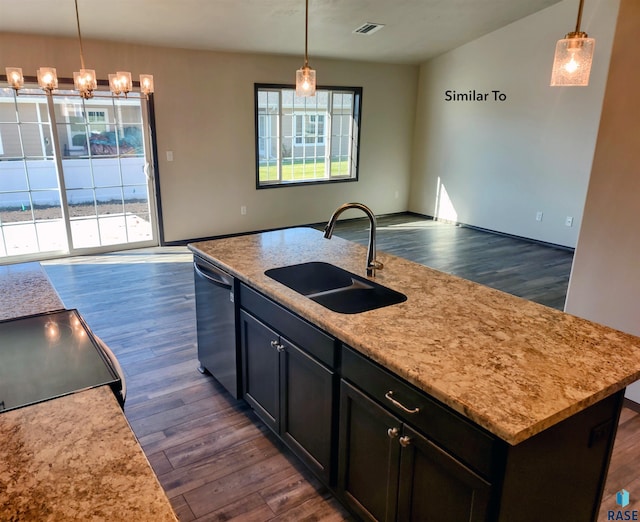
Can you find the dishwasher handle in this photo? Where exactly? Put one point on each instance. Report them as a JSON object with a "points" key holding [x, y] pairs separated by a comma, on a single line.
{"points": [[214, 275]]}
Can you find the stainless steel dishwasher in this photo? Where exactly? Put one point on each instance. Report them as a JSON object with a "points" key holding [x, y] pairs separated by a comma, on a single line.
{"points": [[216, 324]]}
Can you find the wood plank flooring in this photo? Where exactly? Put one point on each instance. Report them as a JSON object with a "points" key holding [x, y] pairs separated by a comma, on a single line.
{"points": [[523, 268], [213, 457]]}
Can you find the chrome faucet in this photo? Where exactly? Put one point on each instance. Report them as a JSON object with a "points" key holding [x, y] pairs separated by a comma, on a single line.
{"points": [[372, 264]]}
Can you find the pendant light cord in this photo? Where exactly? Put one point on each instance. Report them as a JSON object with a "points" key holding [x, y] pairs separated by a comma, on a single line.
{"points": [[306, 33], [80, 36], [579, 16]]}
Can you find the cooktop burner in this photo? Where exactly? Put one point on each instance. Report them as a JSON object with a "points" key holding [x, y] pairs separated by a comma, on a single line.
{"points": [[48, 355]]}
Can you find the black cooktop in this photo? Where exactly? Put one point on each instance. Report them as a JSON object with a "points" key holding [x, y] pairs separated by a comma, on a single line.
{"points": [[48, 355]]}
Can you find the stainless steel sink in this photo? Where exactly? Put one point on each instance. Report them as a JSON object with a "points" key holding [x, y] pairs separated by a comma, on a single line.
{"points": [[335, 288]]}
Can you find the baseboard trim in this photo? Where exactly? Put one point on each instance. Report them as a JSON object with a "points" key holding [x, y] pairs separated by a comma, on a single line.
{"points": [[496, 232], [321, 224], [632, 405]]}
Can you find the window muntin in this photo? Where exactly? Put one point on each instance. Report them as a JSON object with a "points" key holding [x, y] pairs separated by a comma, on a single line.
{"points": [[301, 140]]}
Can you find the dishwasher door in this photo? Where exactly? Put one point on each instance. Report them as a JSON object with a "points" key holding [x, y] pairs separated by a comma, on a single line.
{"points": [[216, 324]]}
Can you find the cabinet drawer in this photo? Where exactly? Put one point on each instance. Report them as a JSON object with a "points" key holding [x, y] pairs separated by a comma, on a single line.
{"points": [[294, 328], [458, 436]]}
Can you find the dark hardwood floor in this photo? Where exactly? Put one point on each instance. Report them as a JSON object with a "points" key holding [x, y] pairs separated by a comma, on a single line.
{"points": [[523, 268], [215, 460]]}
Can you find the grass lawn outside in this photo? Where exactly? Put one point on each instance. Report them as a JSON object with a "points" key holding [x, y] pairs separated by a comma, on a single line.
{"points": [[303, 171]]}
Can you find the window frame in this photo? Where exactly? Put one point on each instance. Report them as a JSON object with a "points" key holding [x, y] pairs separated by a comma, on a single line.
{"points": [[353, 156]]}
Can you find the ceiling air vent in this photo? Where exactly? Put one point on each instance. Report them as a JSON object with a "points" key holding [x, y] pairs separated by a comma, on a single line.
{"points": [[368, 28]]}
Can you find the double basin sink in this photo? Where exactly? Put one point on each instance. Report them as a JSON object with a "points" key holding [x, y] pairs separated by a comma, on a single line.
{"points": [[335, 288]]}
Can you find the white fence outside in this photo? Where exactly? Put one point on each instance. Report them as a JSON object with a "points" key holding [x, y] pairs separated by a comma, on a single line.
{"points": [[105, 174]]}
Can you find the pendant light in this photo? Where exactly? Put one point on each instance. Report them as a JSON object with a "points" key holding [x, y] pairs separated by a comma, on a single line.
{"points": [[574, 54], [305, 76], [84, 80]]}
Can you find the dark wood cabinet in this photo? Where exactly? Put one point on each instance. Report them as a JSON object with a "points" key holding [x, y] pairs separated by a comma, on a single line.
{"points": [[435, 486], [261, 369], [390, 451], [289, 389], [388, 471]]}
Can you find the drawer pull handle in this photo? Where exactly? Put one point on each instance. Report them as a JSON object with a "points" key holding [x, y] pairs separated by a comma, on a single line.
{"points": [[393, 433], [404, 441], [389, 396]]}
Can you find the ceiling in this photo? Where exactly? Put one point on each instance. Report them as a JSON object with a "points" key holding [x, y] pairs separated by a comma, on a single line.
{"points": [[415, 30]]}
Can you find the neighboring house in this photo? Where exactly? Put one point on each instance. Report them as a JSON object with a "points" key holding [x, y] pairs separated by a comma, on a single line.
{"points": [[303, 131]]}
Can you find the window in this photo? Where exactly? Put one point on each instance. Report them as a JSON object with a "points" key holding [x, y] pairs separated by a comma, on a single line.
{"points": [[306, 140], [309, 129]]}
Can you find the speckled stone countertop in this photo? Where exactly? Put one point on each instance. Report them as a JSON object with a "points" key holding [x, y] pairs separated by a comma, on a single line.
{"points": [[512, 366], [74, 457], [25, 290]]}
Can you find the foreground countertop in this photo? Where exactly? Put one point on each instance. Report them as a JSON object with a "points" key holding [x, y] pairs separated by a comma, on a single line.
{"points": [[74, 457], [512, 366]]}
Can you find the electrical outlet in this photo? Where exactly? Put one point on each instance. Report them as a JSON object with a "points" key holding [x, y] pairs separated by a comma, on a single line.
{"points": [[539, 215], [243, 210], [169, 155], [569, 221]]}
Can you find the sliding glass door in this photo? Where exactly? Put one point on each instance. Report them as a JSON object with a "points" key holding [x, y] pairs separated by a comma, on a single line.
{"points": [[75, 175]]}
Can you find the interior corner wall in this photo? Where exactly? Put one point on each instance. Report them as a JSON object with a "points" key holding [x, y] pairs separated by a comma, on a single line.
{"points": [[605, 279], [496, 163], [204, 103]]}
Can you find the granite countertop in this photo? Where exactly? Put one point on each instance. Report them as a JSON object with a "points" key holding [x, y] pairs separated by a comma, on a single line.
{"points": [[25, 290], [74, 457], [60, 462], [512, 366]]}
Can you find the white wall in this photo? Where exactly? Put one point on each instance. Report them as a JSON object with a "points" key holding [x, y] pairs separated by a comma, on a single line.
{"points": [[498, 163], [605, 280], [205, 115]]}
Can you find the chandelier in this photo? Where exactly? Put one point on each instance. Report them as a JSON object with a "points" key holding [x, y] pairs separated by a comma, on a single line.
{"points": [[84, 80]]}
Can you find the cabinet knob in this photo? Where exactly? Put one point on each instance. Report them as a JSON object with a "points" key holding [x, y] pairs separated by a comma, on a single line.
{"points": [[393, 433], [404, 441], [274, 344], [280, 347]]}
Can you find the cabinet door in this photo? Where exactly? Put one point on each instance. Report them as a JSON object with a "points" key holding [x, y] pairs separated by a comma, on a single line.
{"points": [[261, 369], [307, 408], [369, 456], [436, 487]]}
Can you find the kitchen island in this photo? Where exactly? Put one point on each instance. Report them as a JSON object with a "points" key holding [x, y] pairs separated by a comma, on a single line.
{"points": [[74, 457], [520, 381]]}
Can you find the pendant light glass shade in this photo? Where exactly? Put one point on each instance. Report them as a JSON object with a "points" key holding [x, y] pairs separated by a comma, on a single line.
{"points": [[305, 81], [15, 79], [146, 84], [120, 83], [572, 62], [47, 78], [574, 54], [85, 82]]}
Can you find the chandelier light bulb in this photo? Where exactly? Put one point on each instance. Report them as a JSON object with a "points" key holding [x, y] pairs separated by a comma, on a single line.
{"points": [[85, 82], [47, 79], [14, 77], [146, 84]]}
